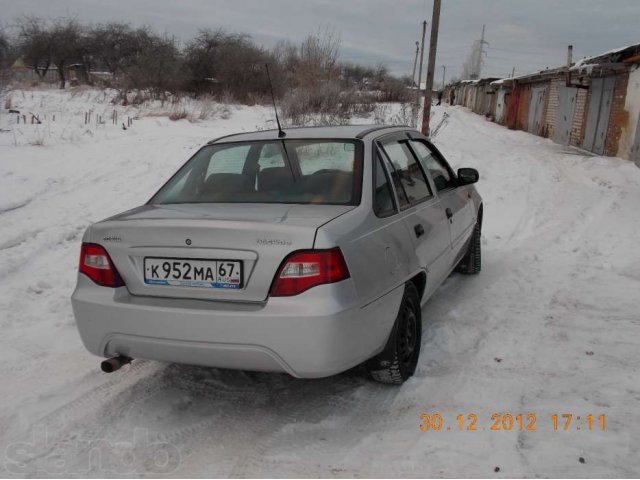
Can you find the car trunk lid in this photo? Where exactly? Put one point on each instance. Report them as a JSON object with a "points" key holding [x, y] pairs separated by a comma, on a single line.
{"points": [[258, 235]]}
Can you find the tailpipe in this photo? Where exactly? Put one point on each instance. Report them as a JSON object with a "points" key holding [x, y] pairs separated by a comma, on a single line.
{"points": [[114, 363]]}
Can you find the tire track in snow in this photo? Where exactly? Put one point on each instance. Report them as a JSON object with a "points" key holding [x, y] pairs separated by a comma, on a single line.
{"points": [[16, 205], [305, 402], [83, 421], [332, 425]]}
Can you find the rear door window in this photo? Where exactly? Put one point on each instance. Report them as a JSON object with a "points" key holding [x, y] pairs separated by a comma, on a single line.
{"points": [[383, 204], [406, 173]]}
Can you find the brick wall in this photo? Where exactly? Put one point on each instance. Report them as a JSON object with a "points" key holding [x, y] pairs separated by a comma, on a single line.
{"points": [[553, 98], [632, 106], [579, 118], [618, 117]]}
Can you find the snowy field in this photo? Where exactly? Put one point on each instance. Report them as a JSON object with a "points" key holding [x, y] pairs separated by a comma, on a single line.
{"points": [[551, 325]]}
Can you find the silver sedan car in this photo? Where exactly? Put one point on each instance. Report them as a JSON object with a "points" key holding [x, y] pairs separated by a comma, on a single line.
{"points": [[308, 252]]}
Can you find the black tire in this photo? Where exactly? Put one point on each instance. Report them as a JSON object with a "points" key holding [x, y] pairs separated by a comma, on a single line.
{"points": [[471, 263], [397, 362]]}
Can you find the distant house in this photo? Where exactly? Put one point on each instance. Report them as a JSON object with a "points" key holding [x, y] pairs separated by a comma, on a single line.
{"points": [[76, 74], [22, 72]]}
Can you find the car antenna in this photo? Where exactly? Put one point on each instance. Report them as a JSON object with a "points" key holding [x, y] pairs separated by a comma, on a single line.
{"points": [[281, 133], [273, 99]]}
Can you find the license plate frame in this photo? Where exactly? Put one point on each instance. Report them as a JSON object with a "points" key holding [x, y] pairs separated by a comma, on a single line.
{"points": [[205, 282]]}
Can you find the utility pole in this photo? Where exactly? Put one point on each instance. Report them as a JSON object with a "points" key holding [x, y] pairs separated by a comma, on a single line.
{"points": [[433, 47], [415, 63], [513, 72], [444, 69], [424, 32]]}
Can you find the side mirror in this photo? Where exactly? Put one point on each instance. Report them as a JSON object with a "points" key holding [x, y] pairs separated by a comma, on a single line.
{"points": [[467, 176]]}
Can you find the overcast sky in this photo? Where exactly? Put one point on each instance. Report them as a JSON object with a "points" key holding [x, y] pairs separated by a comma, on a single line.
{"points": [[526, 34]]}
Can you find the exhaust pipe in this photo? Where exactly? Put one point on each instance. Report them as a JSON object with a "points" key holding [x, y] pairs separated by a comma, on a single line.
{"points": [[114, 363]]}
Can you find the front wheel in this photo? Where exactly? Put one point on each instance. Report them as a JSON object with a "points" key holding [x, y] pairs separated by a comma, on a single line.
{"points": [[397, 362]]}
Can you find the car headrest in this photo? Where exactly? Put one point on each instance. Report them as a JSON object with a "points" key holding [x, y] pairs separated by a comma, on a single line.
{"points": [[228, 183], [331, 186], [275, 178]]}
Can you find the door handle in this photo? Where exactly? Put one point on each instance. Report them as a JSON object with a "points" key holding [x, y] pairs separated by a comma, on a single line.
{"points": [[449, 214], [419, 229]]}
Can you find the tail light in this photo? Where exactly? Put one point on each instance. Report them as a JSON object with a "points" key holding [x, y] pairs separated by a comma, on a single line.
{"points": [[96, 264], [305, 269]]}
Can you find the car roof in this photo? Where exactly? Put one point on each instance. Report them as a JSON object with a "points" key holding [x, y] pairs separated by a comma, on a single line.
{"points": [[335, 132]]}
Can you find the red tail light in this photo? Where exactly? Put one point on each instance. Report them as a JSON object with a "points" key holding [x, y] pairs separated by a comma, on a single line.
{"points": [[96, 264], [308, 268]]}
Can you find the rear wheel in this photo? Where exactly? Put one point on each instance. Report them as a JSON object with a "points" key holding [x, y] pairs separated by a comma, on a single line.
{"points": [[471, 263], [397, 362]]}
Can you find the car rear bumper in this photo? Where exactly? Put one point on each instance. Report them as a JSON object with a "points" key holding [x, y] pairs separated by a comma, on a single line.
{"points": [[315, 334]]}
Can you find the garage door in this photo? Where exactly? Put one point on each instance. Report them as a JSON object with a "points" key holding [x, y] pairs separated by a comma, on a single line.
{"points": [[595, 134], [566, 107]]}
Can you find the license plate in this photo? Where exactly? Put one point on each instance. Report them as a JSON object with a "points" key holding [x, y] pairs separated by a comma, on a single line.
{"points": [[182, 272]]}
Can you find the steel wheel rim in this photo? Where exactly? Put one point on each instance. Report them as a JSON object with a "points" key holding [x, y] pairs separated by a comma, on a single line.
{"points": [[407, 334]]}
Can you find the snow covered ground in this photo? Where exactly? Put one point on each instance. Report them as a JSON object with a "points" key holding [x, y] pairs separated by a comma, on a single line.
{"points": [[551, 325]]}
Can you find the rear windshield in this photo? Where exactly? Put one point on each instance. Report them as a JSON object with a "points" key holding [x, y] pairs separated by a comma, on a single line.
{"points": [[280, 171]]}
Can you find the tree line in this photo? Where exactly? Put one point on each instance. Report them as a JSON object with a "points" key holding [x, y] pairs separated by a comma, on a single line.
{"points": [[214, 62]]}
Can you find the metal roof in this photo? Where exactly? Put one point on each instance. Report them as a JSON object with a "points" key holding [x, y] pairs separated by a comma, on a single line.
{"points": [[617, 55], [343, 131], [531, 77]]}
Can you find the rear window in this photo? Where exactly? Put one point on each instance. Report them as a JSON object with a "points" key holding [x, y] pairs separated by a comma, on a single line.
{"points": [[281, 171]]}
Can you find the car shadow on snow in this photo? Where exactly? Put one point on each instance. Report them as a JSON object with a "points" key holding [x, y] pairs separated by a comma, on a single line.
{"points": [[178, 397], [238, 417]]}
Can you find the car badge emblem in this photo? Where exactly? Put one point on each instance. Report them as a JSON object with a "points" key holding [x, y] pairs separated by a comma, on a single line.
{"points": [[188, 241]]}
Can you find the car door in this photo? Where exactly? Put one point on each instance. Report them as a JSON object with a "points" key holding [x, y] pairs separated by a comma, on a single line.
{"points": [[456, 200], [423, 212]]}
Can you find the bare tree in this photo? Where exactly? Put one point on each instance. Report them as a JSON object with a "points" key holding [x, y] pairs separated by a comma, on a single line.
{"points": [[286, 57], [4, 46], [34, 44], [285, 53], [118, 48], [5, 58], [318, 58], [4, 49], [220, 62], [86, 55], [117, 44], [65, 37], [157, 66], [214, 62], [203, 60]]}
